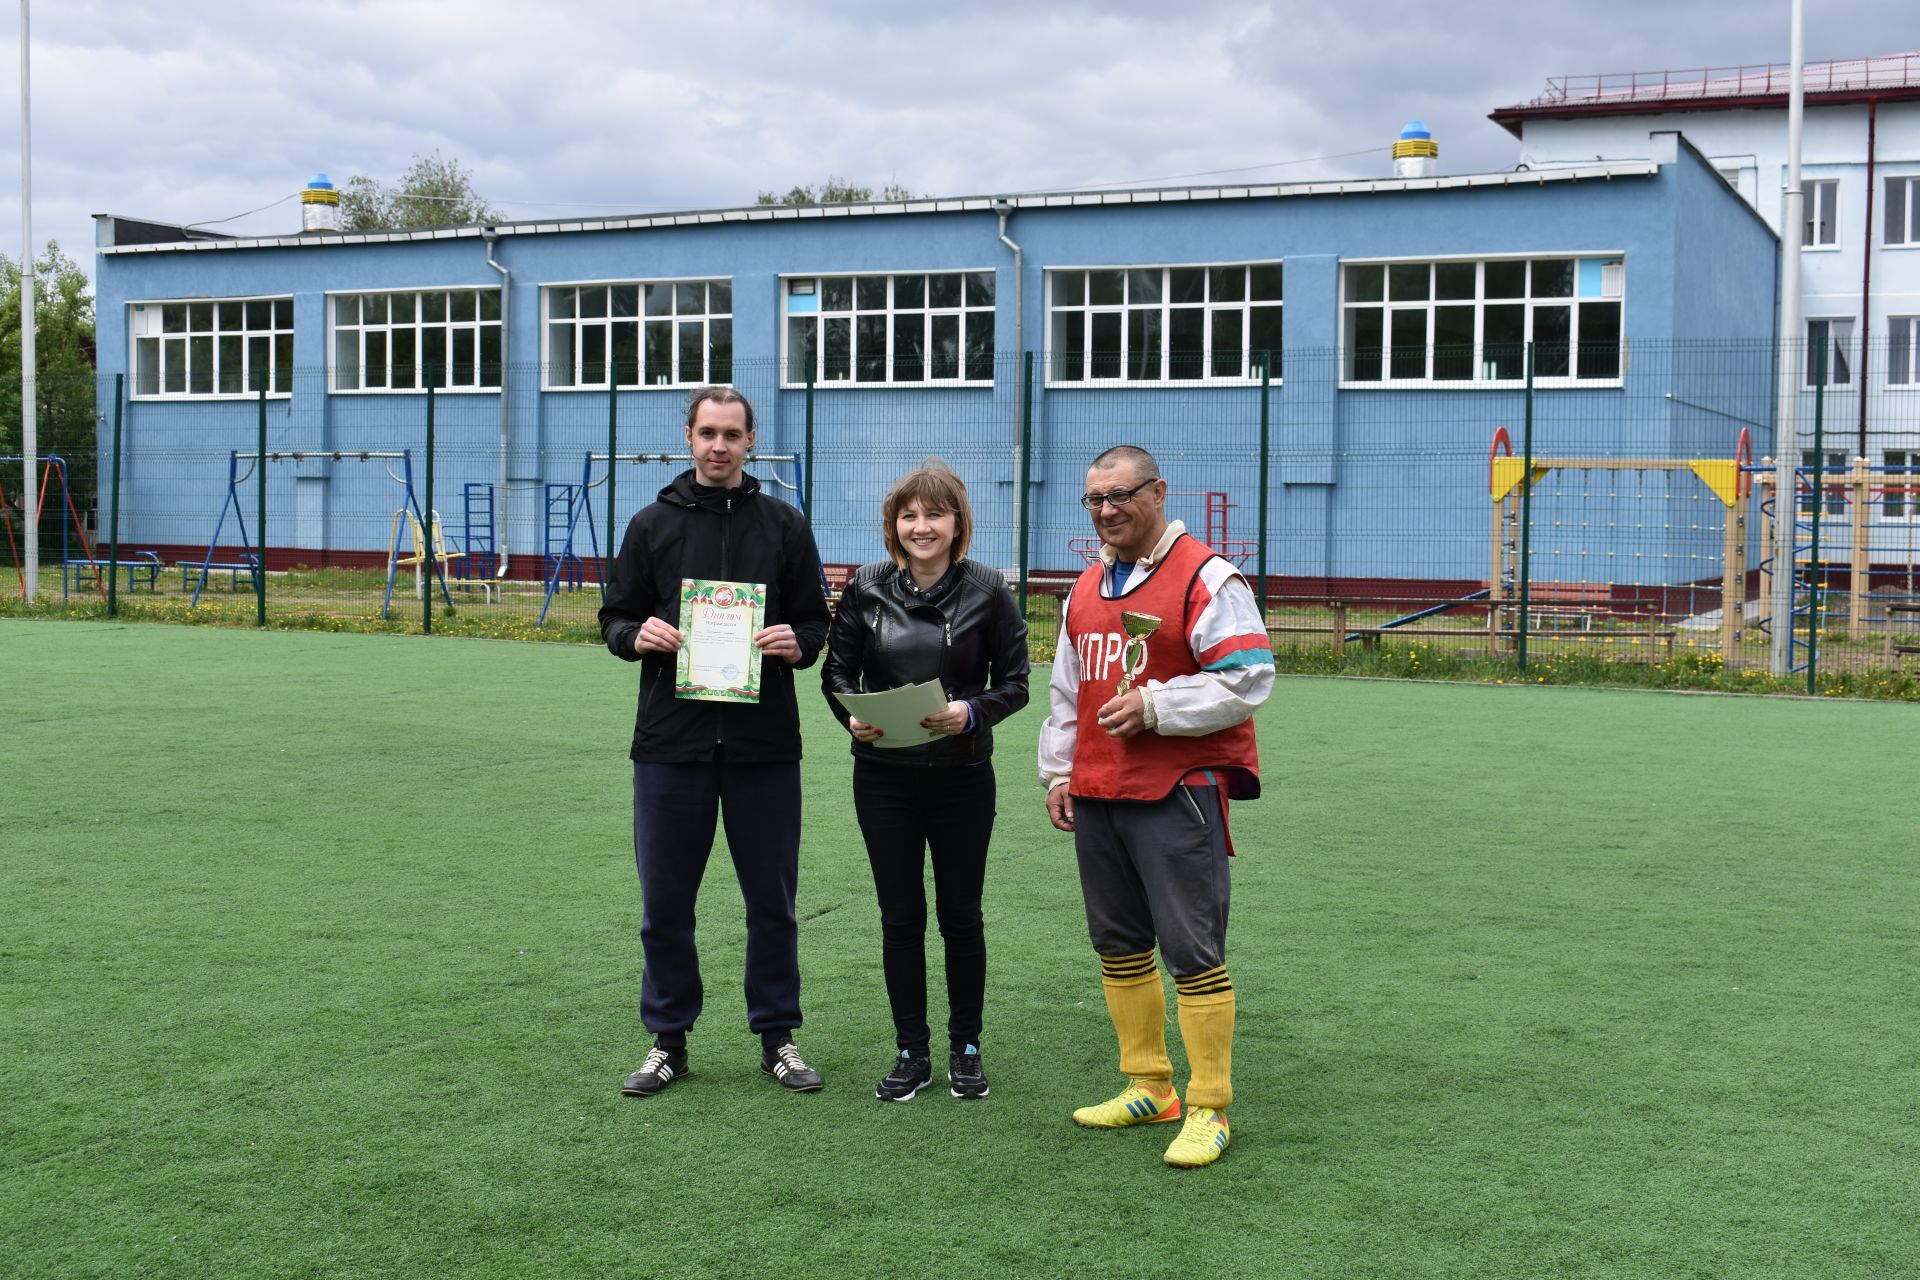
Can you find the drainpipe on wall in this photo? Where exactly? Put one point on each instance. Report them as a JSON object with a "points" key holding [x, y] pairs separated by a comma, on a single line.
{"points": [[1005, 209], [489, 235]]}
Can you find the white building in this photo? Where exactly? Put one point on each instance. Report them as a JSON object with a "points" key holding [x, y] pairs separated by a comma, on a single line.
{"points": [[1859, 242]]}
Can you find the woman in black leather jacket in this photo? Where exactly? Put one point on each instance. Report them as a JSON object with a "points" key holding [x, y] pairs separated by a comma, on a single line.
{"points": [[929, 614]]}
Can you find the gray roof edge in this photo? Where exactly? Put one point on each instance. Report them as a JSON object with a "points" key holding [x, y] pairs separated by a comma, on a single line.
{"points": [[930, 205]]}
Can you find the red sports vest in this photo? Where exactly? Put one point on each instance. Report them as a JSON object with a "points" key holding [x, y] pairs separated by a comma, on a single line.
{"points": [[1147, 766]]}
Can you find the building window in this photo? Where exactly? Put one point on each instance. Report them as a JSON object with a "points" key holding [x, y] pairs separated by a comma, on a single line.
{"points": [[398, 341], [1900, 494], [1838, 336], [665, 333], [1164, 324], [1903, 211], [219, 348], [1903, 351], [1821, 228], [1833, 474], [933, 329], [1453, 322]]}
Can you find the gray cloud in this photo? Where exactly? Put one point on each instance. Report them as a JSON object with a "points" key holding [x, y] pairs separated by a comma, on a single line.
{"points": [[190, 112]]}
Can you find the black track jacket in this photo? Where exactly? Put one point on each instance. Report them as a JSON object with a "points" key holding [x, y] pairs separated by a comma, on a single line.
{"points": [[739, 535]]}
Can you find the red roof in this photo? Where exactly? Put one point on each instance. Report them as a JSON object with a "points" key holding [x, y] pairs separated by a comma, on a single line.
{"points": [[1846, 80]]}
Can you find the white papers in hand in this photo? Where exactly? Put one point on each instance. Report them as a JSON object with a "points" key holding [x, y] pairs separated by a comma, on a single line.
{"points": [[897, 713]]}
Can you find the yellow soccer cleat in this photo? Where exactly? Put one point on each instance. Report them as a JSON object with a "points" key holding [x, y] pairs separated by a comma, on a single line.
{"points": [[1202, 1138], [1137, 1104]]}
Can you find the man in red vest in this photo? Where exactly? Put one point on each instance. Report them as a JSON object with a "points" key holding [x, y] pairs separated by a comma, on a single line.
{"points": [[1146, 740]]}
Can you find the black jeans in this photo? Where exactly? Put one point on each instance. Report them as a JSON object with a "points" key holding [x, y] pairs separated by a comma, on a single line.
{"points": [[674, 811], [906, 812]]}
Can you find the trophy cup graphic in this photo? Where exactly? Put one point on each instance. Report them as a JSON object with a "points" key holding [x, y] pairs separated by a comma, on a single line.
{"points": [[1133, 658]]}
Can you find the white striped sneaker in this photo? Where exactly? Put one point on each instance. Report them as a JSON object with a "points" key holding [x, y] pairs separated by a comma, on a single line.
{"points": [[784, 1063], [661, 1068]]}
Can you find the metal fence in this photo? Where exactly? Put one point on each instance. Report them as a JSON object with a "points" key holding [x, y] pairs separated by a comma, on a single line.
{"points": [[1540, 506]]}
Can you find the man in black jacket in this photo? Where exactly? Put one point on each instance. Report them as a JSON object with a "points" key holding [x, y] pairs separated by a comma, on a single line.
{"points": [[694, 759]]}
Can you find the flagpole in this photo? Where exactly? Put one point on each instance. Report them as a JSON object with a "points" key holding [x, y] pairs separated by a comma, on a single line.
{"points": [[1786, 438], [29, 392]]}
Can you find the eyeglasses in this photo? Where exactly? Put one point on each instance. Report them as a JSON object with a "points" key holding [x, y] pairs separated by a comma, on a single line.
{"points": [[1118, 498]]}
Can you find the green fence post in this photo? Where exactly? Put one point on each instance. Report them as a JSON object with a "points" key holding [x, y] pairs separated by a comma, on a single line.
{"points": [[613, 449], [113, 521], [260, 515], [1023, 476], [1266, 399], [1526, 516], [426, 519], [806, 463], [1816, 591]]}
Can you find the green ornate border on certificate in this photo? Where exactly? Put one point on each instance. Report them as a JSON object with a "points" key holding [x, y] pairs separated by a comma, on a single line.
{"points": [[748, 595]]}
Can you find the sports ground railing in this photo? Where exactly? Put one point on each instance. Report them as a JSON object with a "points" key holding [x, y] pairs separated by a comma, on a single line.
{"points": [[1531, 505]]}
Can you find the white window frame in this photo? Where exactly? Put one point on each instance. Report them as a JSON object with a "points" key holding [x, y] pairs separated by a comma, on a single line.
{"points": [[1734, 169], [1904, 509], [792, 378], [1613, 292], [1249, 372], [1907, 236], [1835, 504], [645, 381], [144, 315], [1843, 348], [1904, 332], [1812, 189], [419, 326]]}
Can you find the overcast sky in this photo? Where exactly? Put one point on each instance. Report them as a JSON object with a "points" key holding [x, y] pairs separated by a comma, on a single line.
{"points": [[197, 110]]}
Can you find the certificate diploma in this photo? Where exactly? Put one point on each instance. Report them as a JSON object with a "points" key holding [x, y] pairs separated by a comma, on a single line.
{"points": [[718, 661]]}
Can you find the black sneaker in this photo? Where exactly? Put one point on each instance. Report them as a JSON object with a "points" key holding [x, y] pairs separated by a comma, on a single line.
{"points": [[662, 1068], [909, 1076], [966, 1078], [784, 1063]]}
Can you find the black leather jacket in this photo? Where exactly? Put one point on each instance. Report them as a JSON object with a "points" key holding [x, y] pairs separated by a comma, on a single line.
{"points": [[965, 631]]}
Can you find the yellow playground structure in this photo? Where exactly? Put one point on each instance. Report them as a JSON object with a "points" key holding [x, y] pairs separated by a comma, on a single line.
{"points": [[1614, 533]]}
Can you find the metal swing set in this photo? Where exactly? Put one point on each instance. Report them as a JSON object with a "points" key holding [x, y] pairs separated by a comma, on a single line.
{"points": [[71, 567], [577, 502], [424, 555]]}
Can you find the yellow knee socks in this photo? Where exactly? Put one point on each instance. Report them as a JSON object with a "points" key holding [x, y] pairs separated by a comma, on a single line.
{"points": [[1138, 1005], [1206, 1026]]}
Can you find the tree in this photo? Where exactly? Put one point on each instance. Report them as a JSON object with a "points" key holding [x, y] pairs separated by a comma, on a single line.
{"points": [[63, 376], [834, 191], [436, 191]]}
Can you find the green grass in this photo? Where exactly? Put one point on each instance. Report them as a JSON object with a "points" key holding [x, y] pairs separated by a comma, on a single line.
{"points": [[318, 956]]}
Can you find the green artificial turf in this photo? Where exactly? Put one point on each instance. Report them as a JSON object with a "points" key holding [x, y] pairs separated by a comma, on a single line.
{"points": [[319, 956]]}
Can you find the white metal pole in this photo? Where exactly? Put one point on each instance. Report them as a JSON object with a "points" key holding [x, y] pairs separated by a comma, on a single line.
{"points": [[1786, 442], [29, 392]]}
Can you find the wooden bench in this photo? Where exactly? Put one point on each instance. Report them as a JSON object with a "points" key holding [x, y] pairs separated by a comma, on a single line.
{"points": [[1578, 599], [1895, 653], [1567, 604]]}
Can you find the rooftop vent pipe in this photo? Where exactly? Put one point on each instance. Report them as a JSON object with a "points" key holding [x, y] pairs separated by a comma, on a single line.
{"points": [[319, 206], [1415, 153]]}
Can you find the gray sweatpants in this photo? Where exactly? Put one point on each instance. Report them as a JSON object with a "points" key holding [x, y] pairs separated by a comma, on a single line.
{"points": [[1156, 872]]}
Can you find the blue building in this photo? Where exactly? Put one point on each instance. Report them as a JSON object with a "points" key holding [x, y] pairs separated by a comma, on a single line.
{"points": [[1392, 319]]}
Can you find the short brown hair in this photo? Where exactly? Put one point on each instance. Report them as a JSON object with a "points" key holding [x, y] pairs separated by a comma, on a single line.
{"points": [[934, 486], [717, 395], [1144, 463]]}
